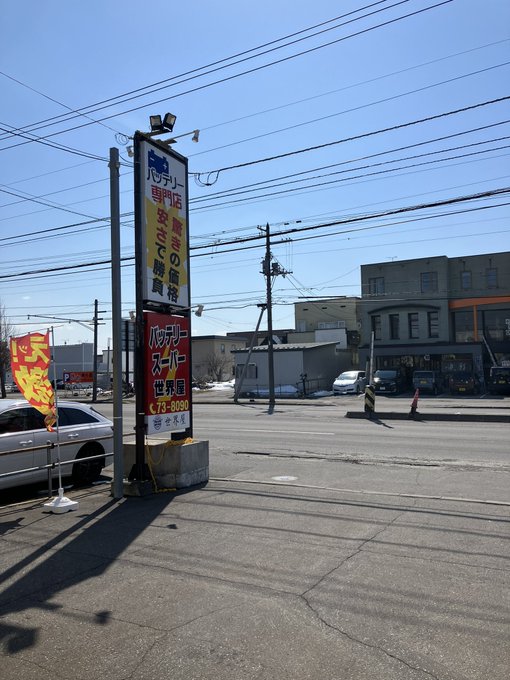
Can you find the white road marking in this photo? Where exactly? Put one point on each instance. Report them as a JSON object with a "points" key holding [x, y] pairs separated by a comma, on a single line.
{"points": [[258, 429]]}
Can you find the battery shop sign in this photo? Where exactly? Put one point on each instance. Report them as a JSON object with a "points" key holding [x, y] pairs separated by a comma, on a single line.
{"points": [[167, 373], [164, 226]]}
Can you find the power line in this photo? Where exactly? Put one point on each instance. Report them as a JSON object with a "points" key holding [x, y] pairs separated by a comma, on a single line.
{"points": [[347, 87], [295, 230], [53, 145], [80, 112], [355, 108], [253, 70], [356, 137], [234, 192]]}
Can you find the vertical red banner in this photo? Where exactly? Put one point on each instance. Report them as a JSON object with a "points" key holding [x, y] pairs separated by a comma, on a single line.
{"points": [[167, 345], [30, 361]]}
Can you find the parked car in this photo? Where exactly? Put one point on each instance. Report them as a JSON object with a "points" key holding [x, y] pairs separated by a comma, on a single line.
{"points": [[82, 432], [464, 382], [390, 381], [499, 380], [350, 382], [428, 381]]}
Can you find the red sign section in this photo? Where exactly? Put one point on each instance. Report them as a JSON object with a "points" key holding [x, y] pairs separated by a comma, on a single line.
{"points": [[167, 372]]}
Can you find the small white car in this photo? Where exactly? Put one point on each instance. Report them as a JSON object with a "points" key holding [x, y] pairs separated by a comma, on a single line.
{"points": [[350, 382], [82, 432]]}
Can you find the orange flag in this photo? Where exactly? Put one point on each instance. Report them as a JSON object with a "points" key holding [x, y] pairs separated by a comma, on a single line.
{"points": [[30, 360]]}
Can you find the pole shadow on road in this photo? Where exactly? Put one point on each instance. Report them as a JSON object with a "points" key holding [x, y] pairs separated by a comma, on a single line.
{"points": [[378, 421]]}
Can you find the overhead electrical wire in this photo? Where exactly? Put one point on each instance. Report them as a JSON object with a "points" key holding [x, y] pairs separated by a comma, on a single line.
{"points": [[237, 75], [355, 160], [148, 89], [285, 233], [352, 138], [384, 100], [384, 130], [53, 145], [347, 87], [271, 184]]}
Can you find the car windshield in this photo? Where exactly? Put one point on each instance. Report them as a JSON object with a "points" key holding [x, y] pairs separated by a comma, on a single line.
{"points": [[501, 372], [422, 374], [461, 376], [385, 374], [348, 375]]}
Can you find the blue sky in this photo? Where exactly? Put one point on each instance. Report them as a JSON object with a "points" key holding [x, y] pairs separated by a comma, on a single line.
{"points": [[58, 57]]}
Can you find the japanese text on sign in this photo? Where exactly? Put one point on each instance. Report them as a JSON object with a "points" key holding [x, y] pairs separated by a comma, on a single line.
{"points": [[165, 227], [167, 372]]}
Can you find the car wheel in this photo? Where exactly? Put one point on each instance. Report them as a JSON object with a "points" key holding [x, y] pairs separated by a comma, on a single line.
{"points": [[88, 471]]}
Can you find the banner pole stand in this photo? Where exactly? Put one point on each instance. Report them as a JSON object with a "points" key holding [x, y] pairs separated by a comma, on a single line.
{"points": [[60, 503]]}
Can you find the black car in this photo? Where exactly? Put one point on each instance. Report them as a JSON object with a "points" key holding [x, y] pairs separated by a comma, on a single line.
{"points": [[464, 382], [499, 380], [389, 381]]}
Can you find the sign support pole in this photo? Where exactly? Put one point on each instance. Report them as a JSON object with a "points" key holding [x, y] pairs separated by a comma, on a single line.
{"points": [[118, 449], [138, 471]]}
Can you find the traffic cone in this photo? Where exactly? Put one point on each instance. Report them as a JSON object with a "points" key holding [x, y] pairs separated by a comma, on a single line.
{"points": [[414, 405]]}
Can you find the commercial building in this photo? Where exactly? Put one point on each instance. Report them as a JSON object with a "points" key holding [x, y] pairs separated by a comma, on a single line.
{"points": [[212, 358], [437, 313], [303, 369]]}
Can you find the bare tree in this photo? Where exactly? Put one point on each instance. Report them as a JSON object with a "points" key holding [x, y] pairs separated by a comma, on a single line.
{"points": [[6, 330], [216, 365]]}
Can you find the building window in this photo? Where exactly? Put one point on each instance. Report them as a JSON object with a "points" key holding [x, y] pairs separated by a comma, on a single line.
{"points": [[491, 276], [465, 280], [222, 348], [463, 324], [251, 371], [414, 325], [428, 282], [376, 285], [394, 326], [376, 326], [433, 324]]}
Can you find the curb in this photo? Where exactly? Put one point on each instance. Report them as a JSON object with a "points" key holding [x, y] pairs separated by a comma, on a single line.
{"points": [[419, 417]]}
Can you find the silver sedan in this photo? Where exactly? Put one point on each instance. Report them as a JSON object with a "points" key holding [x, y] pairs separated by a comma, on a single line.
{"points": [[26, 444]]}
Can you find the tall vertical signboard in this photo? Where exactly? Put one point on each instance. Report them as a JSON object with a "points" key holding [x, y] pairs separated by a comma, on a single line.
{"points": [[164, 228], [162, 337]]}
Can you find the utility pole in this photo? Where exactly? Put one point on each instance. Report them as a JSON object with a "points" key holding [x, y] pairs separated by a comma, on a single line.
{"points": [[96, 321], [239, 383], [118, 455], [270, 270], [269, 302]]}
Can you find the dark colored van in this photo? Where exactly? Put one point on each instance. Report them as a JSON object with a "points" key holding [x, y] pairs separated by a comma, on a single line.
{"points": [[499, 380], [428, 381], [390, 381]]}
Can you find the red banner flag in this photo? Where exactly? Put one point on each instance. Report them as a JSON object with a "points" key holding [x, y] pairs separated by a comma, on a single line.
{"points": [[30, 360]]}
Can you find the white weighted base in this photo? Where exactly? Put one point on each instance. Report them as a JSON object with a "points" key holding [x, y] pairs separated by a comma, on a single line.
{"points": [[61, 504]]}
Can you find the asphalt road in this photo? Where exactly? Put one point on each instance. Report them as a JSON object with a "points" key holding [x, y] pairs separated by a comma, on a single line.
{"points": [[316, 445], [320, 548]]}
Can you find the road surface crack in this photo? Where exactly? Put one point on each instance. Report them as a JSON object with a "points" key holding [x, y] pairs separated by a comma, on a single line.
{"points": [[305, 597]]}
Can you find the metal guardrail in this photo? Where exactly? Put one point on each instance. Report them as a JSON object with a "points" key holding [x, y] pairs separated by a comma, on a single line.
{"points": [[54, 446], [52, 465]]}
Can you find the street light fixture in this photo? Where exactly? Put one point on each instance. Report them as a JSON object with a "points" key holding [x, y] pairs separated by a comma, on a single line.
{"points": [[165, 124]]}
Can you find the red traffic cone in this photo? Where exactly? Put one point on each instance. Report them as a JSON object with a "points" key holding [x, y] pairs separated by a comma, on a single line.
{"points": [[414, 405]]}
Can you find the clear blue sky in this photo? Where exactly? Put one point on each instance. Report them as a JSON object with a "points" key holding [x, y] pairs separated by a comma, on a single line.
{"points": [[58, 56]]}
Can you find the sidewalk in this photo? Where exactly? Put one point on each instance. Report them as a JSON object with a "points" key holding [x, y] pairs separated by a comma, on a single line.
{"points": [[251, 581]]}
